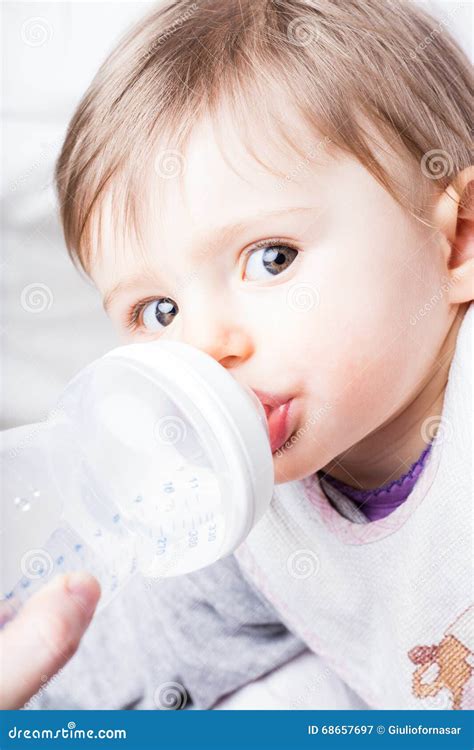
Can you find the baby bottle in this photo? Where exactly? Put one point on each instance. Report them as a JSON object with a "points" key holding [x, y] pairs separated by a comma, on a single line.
{"points": [[154, 460]]}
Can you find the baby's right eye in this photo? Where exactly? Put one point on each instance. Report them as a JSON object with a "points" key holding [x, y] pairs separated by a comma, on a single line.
{"points": [[268, 258], [156, 314]]}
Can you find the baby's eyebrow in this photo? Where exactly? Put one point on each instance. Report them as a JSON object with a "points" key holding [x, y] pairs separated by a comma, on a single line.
{"points": [[123, 286], [216, 239]]}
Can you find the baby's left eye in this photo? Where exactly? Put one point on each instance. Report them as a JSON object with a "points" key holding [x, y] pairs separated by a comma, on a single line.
{"points": [[269, 259]]}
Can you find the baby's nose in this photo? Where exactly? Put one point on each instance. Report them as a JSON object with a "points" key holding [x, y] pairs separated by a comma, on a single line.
{"points": [[227, 345]]}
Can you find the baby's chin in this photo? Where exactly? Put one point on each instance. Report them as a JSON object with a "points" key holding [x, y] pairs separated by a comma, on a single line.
{"points": [[295, 461], [309, 447]]}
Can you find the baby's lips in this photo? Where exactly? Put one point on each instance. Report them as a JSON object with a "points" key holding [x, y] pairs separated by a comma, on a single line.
{"points": [[271, 401], [279, 426], [276, 408]]}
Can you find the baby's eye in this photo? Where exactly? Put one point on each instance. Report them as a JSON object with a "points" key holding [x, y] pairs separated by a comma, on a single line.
{"points": [[158, 313], [269, 259]]}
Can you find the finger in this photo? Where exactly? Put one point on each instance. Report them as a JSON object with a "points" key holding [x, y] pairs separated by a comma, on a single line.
{"points": [[44, 635]]}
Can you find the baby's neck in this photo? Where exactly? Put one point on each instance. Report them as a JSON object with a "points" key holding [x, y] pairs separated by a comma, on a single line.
{"points": [[388, 452]]}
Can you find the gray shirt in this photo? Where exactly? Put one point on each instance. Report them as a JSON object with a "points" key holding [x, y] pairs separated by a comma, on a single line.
{"points": [[173, 643]]}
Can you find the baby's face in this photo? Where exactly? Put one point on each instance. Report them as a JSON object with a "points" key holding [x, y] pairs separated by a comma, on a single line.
{"points": [[304, 289]]}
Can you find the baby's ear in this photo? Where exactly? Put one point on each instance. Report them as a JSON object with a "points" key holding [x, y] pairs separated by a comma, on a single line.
{"points": [[454, 216]]}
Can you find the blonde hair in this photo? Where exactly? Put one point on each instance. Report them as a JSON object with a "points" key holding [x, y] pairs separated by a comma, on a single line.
{"points": [[340, 63]]}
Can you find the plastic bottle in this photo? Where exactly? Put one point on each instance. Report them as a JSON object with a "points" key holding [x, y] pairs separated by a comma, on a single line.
{"points": [[154, 461]]}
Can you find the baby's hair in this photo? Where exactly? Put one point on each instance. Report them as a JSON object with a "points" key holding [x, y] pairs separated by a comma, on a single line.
{"points": [[352, 69]]}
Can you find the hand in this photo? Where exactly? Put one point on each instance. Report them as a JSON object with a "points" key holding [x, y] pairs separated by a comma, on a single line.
{"points": [[44, 635]]}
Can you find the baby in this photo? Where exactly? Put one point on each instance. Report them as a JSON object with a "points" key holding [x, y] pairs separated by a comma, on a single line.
{"points": [[288, 187]]}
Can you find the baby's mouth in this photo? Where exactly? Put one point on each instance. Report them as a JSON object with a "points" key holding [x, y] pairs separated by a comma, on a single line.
{"points": [[278, 414], [279, 425]]}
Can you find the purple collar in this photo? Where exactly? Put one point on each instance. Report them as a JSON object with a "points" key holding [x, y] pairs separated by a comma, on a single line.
{"points": [[381, 501]]}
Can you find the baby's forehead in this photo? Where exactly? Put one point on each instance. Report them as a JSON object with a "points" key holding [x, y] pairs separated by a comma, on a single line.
{"points": [[220, 168], [221, 174]]}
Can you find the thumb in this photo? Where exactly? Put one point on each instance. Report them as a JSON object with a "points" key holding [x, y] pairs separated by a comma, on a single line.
{"points": [[44, 635]]}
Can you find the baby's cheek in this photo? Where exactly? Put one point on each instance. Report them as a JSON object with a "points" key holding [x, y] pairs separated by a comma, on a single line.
{"points": [[357, 382]]}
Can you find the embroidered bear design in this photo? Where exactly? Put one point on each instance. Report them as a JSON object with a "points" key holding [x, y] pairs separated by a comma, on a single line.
{"points": [[454, 658]]}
